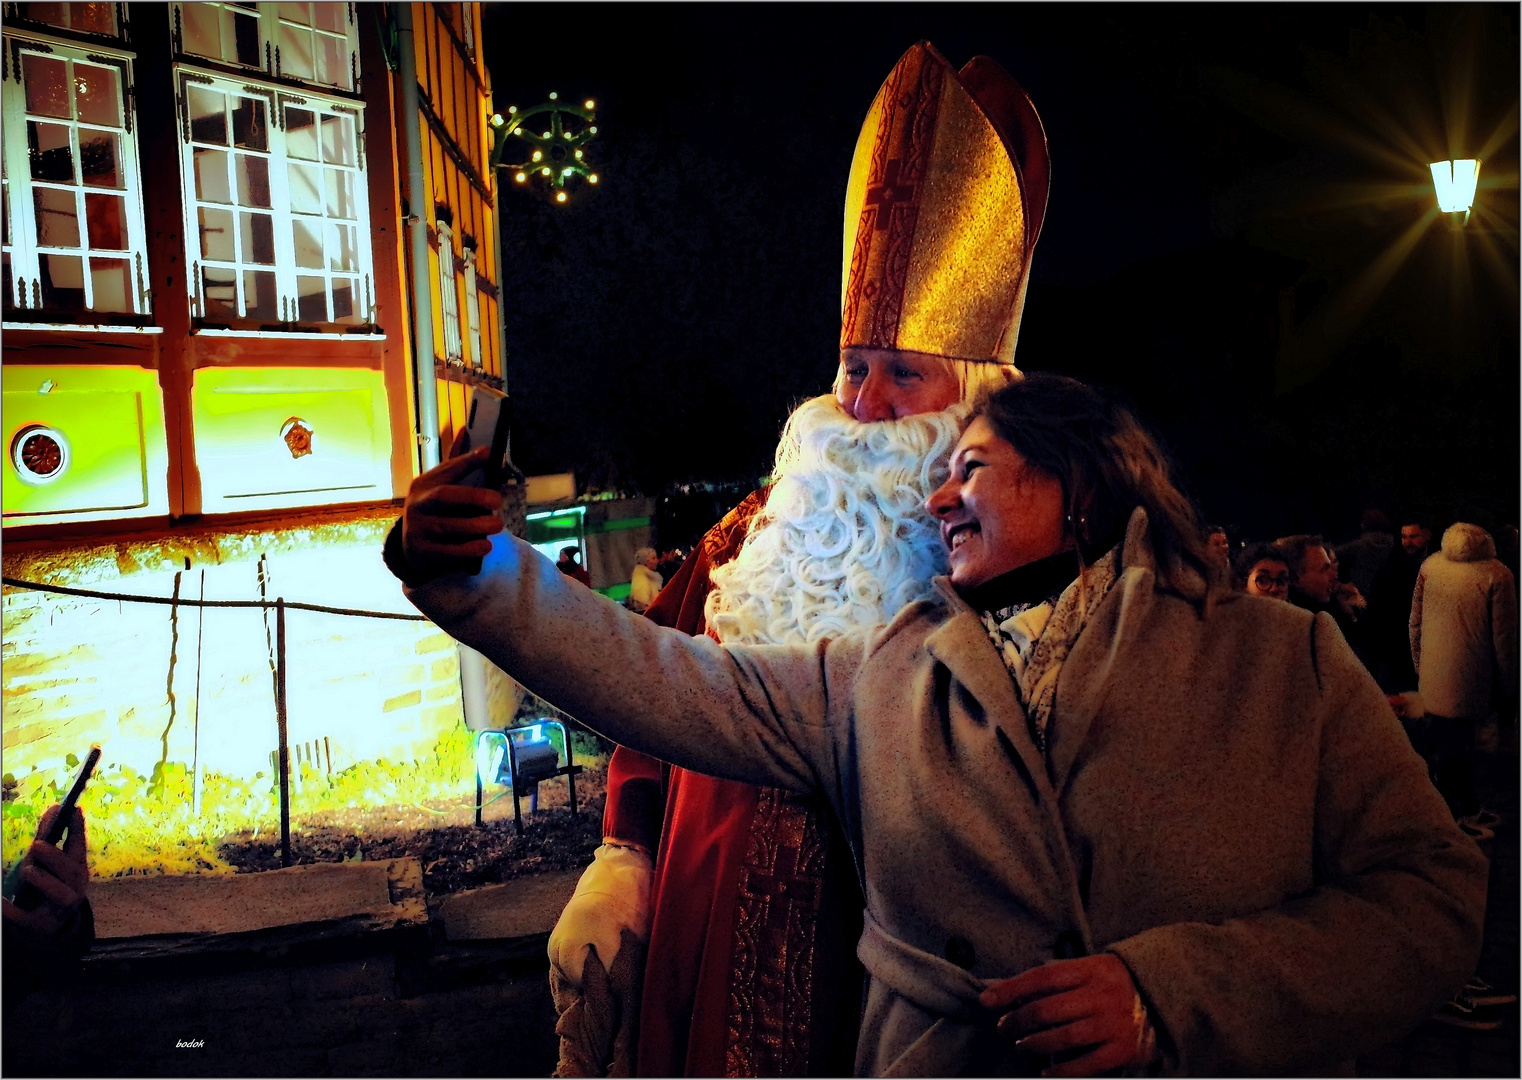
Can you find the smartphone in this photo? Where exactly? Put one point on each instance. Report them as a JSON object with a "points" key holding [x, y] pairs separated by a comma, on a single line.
{"points": [[25, 896], [489, 424]]}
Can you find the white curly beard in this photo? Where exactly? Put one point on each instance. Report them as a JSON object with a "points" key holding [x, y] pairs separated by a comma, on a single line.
{"points": [[844, 540]]}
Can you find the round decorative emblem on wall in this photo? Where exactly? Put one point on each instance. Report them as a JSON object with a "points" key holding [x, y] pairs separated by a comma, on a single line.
{"points": [[297, 434], [40, 454]]}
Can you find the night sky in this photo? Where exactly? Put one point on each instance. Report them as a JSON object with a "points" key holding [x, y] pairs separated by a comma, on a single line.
{"points": [[1235, 240]]}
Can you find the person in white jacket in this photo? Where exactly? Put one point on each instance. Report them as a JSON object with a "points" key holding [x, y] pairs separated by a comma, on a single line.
{"points": [[645, 583], [1464, 647]]}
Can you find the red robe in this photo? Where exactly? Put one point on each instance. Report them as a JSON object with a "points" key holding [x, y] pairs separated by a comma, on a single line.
{"points": [[756, 910]]}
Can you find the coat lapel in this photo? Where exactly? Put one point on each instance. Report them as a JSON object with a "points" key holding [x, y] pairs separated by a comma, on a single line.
{"points": [[961, 643], [1085, 677]]}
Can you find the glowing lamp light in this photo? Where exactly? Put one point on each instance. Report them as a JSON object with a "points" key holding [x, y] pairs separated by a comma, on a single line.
{"points": [[593, 129], [549, 135], [545, 172], [512, 109], [590, 105], [1455, 183], [592, 179], [560, 196], [496, 119], [553, 95], [520, 178], [537, 155], [578, 155]]}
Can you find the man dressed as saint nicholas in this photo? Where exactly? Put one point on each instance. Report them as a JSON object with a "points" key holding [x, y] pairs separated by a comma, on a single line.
{"points": [[714, 933]]}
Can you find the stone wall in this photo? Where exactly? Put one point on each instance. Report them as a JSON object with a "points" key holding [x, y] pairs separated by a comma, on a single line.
{"points": [[155, 683]]}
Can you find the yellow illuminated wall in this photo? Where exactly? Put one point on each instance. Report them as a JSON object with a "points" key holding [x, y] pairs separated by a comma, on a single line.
{"points": [[110, 422], [455, 100], [247, 461]]}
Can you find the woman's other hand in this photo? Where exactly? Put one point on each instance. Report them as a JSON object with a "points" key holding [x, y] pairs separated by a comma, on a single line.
{"points": [[60, 875], [1090, 1004], [447, 526]]}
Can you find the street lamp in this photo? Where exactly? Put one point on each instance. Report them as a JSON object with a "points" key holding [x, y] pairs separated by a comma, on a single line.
{"points": [[1455, 182]]}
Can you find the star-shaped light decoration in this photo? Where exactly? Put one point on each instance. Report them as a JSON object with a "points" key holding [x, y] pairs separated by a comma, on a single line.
{"points": [[553, 144]]}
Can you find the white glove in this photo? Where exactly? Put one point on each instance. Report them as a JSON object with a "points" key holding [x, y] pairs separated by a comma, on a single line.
{"points": [[612, 896]]}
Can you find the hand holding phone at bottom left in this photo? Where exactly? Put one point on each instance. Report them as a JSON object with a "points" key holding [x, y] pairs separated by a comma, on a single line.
{"points": [[60, 877]]}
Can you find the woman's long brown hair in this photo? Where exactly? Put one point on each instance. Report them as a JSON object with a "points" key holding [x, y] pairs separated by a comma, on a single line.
{"points": [[1108, 464]]}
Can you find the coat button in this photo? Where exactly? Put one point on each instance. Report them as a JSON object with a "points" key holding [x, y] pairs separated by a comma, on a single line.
{"points": [[1069, 946], [960, 952]]}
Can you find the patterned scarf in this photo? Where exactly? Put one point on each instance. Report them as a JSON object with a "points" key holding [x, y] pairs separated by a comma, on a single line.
{"points": [[1034, 639]]}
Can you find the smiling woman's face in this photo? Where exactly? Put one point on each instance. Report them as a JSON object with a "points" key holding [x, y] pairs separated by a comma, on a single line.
{"points": [[997, 512]]}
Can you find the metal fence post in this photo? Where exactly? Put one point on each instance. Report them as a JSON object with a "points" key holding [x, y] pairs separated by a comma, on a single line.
{"points": [[280, 722]]}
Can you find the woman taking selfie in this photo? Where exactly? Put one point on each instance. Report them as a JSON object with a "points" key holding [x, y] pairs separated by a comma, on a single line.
{"points": [[1106, 813]]}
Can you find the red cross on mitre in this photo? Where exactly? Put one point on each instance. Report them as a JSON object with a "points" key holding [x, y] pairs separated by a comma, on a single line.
{"points": [[890, 190]]}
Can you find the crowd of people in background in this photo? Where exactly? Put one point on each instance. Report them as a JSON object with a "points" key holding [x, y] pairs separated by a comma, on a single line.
{"points": [[1437, 629]]}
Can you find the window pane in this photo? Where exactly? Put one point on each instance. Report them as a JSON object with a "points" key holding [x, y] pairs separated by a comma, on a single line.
{"points": [[217, 234], [57, 217], [246, 33], [259, 296], [340, 191], [312, 299], [250, 124], [258, 238], [295, 51], [50, 151], [307, 236], [211, 176], [63, 282], [106, 216], [337, 140], [332, 60], [331, 16], [96, 96], [202, 28], [300, 133], [343, 248], [98, 159], [297, 13], [306, 188], [94, 18], [47, 85], [219, 293], [111, 283], [345, 300], [208, 115], [253, 180], [52, 14]]}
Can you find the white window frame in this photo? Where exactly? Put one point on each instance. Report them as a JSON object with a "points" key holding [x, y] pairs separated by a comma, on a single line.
{"points": [[272, 61], [118, 20], [449, 296], [24, 249], [468, 29], [473, 310], [285, 269]]}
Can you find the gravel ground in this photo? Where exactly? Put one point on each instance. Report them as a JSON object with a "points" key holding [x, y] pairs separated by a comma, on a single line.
{"points": [[455, 854]]}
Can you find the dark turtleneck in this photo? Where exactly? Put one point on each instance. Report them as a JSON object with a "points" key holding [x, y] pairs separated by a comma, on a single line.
{"points": [[1032, 583]]}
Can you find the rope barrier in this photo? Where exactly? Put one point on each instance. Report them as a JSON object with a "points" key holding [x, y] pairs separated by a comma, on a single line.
{"points": [[291, 605]]}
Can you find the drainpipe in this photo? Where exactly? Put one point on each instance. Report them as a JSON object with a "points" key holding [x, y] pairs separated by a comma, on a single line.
{"points": [[472, 664], [417, 223]]}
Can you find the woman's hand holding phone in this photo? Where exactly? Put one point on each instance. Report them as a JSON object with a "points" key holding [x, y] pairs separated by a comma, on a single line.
{"points": [[446, 525]]}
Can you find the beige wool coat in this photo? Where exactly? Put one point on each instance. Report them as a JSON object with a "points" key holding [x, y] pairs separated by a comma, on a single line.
{"points": [[1464, 626], [1229, 805]]}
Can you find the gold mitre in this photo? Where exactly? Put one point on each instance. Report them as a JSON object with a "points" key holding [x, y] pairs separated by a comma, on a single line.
{"points": [[947, 192]]}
